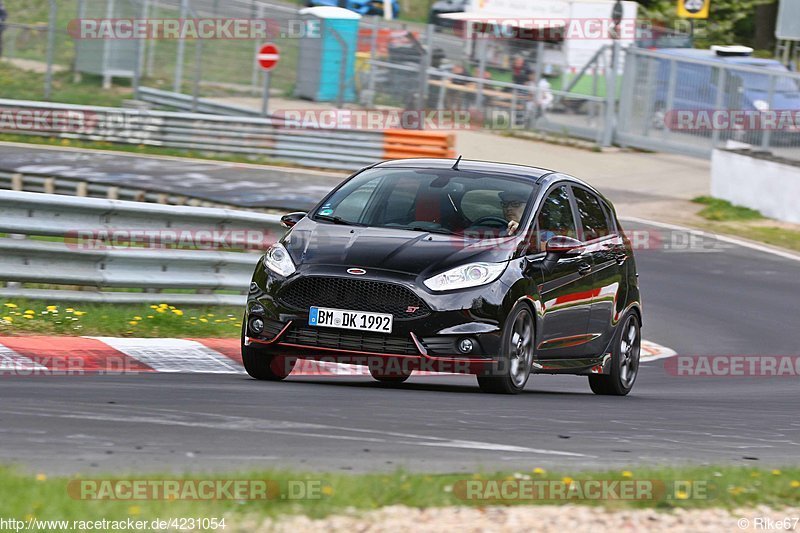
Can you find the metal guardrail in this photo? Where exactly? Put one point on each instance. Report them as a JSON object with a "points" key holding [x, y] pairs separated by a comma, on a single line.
{"points": [[185, 102], [322, 148], [69, 244]]}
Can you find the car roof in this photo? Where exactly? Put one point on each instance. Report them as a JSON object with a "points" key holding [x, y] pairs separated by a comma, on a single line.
{"points": [[521, 171], [542, 176], [697, 53]]}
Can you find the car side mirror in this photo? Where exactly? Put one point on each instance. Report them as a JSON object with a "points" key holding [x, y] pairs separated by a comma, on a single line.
{"points": [[561, 245], [289, 220]]}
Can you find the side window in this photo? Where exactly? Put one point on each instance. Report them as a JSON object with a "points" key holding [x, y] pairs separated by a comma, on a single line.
{"points": [[555, 218], [593, 217]]}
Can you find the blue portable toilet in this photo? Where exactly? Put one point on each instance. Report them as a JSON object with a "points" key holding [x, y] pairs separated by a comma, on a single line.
{"points": [[331, 41]]}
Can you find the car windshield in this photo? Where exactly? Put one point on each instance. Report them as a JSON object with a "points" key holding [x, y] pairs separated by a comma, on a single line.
{"points": [[434, 201], [760, 82]]}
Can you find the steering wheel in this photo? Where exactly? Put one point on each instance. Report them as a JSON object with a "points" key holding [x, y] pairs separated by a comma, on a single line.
{"points": [[491, 218]]}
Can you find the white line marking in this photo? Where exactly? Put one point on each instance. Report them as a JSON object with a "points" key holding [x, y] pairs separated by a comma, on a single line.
{"points": [[11, 361], [723, 238], [175, 417], [173, 355]]}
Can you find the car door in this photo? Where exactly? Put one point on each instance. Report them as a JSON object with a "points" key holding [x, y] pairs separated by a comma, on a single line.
{"points": [[565, 286], [608, 255]]}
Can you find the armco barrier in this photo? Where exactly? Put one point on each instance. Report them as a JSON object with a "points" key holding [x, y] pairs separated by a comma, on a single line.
{"points": [[207, 274], [322, 148]]}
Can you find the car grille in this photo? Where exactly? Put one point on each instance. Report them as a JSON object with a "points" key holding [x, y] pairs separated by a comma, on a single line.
{"points": [[353, 294], [351, 341]]}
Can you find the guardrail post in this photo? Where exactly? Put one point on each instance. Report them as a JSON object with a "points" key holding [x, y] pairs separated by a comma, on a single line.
{"points": [[17, 182], [49, 185]]}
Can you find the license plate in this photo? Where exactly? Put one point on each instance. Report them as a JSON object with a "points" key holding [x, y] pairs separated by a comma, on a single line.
{"points": [[341, 318]]}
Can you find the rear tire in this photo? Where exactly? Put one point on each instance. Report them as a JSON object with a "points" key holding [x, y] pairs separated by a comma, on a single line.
{"points": [[624, 361], [511, 373], [262, 365]]}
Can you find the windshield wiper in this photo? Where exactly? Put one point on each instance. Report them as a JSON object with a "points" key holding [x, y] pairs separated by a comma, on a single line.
{"points": [[334, 219], [441, 231]]}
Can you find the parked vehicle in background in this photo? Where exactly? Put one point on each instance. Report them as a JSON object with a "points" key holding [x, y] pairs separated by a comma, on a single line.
{"points": [[446, 6], [699, 81], [362, 7]]}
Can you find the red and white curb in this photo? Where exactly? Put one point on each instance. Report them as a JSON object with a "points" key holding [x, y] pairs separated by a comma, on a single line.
{"points": [[42, 355]]}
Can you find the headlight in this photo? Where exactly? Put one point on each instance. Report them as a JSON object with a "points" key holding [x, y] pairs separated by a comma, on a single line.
{"points": [[462, 277], [761, 105], [277, 259]]}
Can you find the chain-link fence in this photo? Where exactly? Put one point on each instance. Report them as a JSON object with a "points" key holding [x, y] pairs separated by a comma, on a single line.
{"points": [[693, 101]]}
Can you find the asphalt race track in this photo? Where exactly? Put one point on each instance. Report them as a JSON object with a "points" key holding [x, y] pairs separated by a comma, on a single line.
{"points": [[713, 299], [216, 181]]}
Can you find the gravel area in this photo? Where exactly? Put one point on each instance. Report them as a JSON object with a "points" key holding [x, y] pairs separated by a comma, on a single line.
{"points": [[528, 518]]}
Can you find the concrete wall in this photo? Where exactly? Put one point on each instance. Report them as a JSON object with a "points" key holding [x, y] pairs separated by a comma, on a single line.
{"points": [[771, 187]]}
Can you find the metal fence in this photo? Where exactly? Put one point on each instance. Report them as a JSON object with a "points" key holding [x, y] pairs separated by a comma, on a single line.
{"points": [[122, 252], [690, 106]]}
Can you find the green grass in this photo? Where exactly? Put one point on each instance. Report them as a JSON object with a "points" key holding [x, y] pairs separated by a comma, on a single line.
{"points": [[724, 217], [25, 496], [19, 84], [33, 317], [724, 211]]}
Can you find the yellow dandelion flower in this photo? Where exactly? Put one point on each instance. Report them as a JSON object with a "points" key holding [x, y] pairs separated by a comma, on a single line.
{"points": [[11, 306], [8, 319], [203, 320], [41, 477], [539, 471], [776, 472], [134, 510], [627, 474], [327, 490], [27, 316], [137, 318], [30, 312], [79, 313], [178, 312], [681, 495], [133, 322], [795, 484], [52, 307], [210, 314], [69, 310], [153, 307], [150, 316], [161, 310], [163, 306], [567, 480]]}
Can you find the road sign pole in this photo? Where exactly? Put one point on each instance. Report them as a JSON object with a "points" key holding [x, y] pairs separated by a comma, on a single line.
{"points": [[265, 96]]}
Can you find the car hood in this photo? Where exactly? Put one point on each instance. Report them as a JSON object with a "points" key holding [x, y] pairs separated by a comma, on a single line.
{"points": [[411, 252]]}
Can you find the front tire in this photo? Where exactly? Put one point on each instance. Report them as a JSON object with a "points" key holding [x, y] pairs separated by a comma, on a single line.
{"points": [[624, 361], [510, 374], [262, 365]]}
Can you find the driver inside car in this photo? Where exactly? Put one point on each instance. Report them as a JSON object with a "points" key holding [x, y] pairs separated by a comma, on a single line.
{"points": [[513, 204]]}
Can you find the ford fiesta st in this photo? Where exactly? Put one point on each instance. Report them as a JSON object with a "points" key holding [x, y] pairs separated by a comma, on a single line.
{"points": [[493, 269]]}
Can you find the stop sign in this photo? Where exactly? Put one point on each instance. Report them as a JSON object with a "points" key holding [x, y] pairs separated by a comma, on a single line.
{"points": [[268, 56]]}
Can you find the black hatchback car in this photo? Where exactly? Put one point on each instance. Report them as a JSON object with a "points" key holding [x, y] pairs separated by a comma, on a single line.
{"points": [[492, 269]]}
